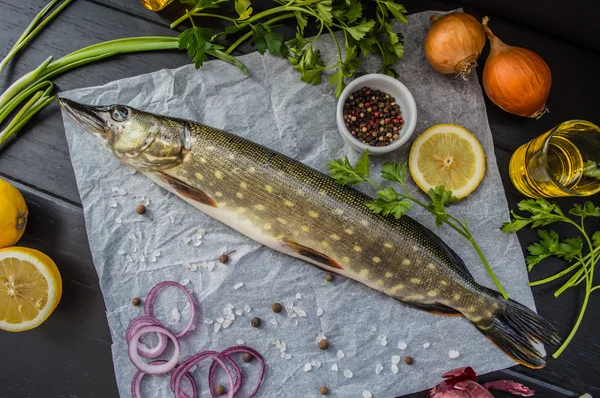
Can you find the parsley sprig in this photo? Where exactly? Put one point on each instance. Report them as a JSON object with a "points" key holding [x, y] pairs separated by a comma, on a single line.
{"points": [[362, 35], [391, 202], [543, 213]]}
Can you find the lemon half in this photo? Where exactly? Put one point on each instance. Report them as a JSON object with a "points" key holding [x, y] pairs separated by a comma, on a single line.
{"points": [[30, 288], [448, 155], [13, 214]]}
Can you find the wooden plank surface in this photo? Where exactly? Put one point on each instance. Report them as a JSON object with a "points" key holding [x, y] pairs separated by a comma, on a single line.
{"points": [[75, 343]]}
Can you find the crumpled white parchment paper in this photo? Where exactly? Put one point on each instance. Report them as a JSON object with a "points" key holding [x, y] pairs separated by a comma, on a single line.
{"points": [[273, 107]]}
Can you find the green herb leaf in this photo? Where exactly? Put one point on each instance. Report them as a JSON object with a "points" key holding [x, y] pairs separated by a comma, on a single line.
{"points": [[545, 247], [264, 39], [297, 45], [202, 4], [367, 44], [596, 239], [388, 194], [302, 21], [309, 64], [515, 225], [196, 41], [397, 208], [440, 198], [324, 11], [359, 31], [337, 80], [242, 7], [543, 212], [590, 169], [587, 210], [342, 171], [397, 10], [394, 171], [570, 248], [362, 166], [354, 12]]}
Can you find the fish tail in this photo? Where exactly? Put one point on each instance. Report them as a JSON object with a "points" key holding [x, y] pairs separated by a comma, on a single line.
{"points": [[513, 328]]}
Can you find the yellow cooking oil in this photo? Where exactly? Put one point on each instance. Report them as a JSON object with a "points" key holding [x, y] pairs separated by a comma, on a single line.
{"points": [[558, 163], [156, 5]]}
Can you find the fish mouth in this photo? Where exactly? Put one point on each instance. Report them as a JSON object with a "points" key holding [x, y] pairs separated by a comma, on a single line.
{"points": [[88, 117]]}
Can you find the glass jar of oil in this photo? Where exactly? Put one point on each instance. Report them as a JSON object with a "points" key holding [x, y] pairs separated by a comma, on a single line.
{"points": [[564, 161], [156, 5]]}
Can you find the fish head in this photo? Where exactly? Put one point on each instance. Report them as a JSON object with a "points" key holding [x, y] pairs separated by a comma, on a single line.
{"points": [[142, 140]]}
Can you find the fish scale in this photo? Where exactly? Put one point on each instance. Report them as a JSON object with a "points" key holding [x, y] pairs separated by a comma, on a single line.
{"points": [[292, 208]]}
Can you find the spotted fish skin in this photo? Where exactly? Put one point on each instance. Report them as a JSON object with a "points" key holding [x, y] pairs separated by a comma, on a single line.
{"points": [[292, 208]]}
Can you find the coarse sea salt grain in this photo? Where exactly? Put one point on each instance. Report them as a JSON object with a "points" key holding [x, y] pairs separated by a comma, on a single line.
{"points": [[216, 327], [307, 367], [113, 203], [226, 310], [334, 367], [301, 313], [231, 317], [319, 311], [187, 265], [208, 321], [175, 314], [286, 356], [247, 308], [118, 220], [220, 320], [193, 267], [283, 346], [367, 394], [396, 359], [378, 368], [237, 285], [274, 322], [316, 364], [298, 296], [239, 341], [348, 374], [453, 354], [340, 354], [239, 312], [227, 323], [426, 345], [185, 282], [402, 345], [394, 368]]}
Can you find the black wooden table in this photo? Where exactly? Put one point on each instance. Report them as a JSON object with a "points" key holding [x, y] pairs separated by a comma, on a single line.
{"points": [[69, 355]]}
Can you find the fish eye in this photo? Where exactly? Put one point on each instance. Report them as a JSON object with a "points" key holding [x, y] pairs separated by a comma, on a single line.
{"points": [[120, 113]]}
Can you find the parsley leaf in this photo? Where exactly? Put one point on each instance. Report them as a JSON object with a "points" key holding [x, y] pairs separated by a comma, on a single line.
{"points": [[196, 41], [324, 11], [343, 172], [596, 239], [337, 80], [397, 10], [309, 64], [588, 209], [242, 7], [362, 166], [351, 61], [265, 39], [440, 198], [590, 169], [367, 44], [302, 21], [359, 31], [387, 203], [545, 247], [394, 171]]}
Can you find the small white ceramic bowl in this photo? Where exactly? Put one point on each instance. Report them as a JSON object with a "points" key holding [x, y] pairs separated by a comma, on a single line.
{"points": [[388, 85]]}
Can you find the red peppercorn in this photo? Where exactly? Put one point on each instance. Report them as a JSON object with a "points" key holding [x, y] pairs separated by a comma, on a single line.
{"points": [[371, 123], [376, 114], [387, 120]]}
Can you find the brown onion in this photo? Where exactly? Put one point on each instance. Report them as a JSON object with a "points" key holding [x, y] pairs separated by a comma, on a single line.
{"points": [[454, 43], [517, 80]]}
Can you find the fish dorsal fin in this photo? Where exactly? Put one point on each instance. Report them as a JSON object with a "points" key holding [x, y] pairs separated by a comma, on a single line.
{"points": [[437, 309], [186, 190], [310, 254]]}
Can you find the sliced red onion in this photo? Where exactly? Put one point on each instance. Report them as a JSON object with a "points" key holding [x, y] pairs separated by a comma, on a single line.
{"points": [[146, 367], [149, 304], [233, 350], [144, 350], [137, 381], [186, 365]]}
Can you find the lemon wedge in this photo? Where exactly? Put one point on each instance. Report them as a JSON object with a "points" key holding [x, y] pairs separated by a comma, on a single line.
{"points": [[448, 155], [30, 288]]}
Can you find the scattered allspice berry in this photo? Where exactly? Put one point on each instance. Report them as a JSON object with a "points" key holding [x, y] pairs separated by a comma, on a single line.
{"points": [[247, 357], [141, 209], [324, 390], [255, 322], [408, 360], [276, 307], [224, 258], [220, 390], [136, 301], [329, 277], [323, 344]]}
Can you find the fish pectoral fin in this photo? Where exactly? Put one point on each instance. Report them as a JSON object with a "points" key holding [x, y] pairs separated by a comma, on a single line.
{"points": [[186, 190], [437, 309], [311, 254]]}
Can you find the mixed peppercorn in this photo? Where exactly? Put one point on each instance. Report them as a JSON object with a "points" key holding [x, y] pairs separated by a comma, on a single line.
{"points": [[373, 117]]}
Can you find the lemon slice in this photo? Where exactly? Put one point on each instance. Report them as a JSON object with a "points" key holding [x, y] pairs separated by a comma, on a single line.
{"points": [[448, 155], [30, 288]]}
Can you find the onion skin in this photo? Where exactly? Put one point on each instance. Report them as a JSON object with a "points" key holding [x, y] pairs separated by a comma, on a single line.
{"points": [[517, 80], [454, 43]]}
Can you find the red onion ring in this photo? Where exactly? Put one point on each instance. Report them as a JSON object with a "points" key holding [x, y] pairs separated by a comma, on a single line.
{"points": [[233, 350], [144, 350], [148, 368], [186, 365], [149, 304], [137, 381]]}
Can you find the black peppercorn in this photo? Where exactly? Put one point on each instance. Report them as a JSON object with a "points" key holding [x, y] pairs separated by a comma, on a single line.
{"points": [[276, 307], [136, 301], [255, 322], [247, 357]]}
